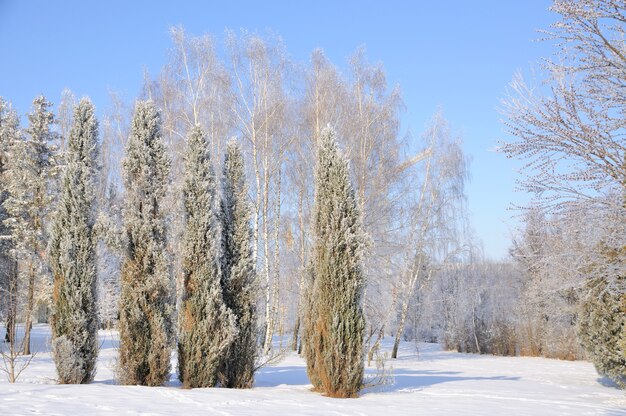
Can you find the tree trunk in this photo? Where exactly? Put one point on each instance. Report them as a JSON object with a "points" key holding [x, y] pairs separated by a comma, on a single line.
{"points": [[12, 307], [376, 346], [29, 310], [405, 305], [10, 326], [396, 342], [276, 279], [269, 318], [257, 204], [296, 327], [476, 328]]}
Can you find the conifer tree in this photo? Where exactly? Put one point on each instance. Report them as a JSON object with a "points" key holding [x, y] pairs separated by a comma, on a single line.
{"points": [[9, 133], [30, 174], [207, 326], [602, 328], [238, 275], [334, 321], [145, 325], [72, 252]]}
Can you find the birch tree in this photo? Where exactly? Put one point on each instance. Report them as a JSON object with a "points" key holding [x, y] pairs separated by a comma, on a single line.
{"points": [[572, 137], [258, 72], [436, 216], [65, 112], [115, 128], [109, 256]]}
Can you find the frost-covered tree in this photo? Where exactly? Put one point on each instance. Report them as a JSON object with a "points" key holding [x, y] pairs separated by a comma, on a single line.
{"points": [[30, 179], [146, 330], [72, 253], [551, 253], [114, 132], [259, 70], [602, 317], [207, 326], [193, 88], [9, 132], [109, 256], [602, 327], [335, 323], [437, 221], [572, 138], [238, 273]]}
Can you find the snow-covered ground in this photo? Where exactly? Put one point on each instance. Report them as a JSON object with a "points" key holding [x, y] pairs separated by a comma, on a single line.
{"points": [[427, 382]]}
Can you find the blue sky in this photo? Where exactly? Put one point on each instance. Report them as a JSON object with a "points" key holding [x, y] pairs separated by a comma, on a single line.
{"points": [[457, 55]]}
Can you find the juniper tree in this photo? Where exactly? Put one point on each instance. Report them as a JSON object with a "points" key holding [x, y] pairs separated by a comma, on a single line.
{"points": [[602, 331], [335, 323], [30, 177], [145, 326], [238, 273], [9, 132], [602, 328], [207, 326], [72, 252]]}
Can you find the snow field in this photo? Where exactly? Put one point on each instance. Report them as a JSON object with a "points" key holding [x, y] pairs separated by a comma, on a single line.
{"points": [[427, 381]]}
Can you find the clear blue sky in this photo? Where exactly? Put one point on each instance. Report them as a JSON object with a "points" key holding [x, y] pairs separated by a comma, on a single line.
{"points": [[456, 54]]}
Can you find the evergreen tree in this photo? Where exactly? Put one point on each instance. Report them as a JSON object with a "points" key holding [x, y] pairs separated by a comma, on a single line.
{"points": [[30, 175], [72, 252], [238, 275], [9, 133], [145, 326], [335, 322], [602, 328], [207, 326]]}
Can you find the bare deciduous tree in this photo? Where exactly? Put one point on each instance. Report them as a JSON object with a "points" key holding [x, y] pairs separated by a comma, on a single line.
{"points": [[259, 69], [435, 218], [572, 137]]}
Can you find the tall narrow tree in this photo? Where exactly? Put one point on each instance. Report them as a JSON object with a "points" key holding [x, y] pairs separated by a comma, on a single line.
{"points": [[146, 331], [9, 133], [207, 326], [72, 251], [238, 274], [335, 322], [29, 178]]}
